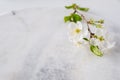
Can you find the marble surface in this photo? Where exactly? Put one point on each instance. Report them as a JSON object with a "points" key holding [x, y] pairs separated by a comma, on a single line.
{"points": [[109, 9], [34, 45]]}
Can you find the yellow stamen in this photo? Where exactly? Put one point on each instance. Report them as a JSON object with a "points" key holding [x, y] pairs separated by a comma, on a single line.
{"points": [[77, 30], [78, 44], [101, 38]]}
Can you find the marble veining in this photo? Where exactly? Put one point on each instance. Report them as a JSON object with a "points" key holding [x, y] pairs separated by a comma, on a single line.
{"points": [[35, 46]]}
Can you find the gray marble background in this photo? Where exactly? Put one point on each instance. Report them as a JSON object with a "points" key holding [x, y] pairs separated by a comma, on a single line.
{"points": [[34, 44]]}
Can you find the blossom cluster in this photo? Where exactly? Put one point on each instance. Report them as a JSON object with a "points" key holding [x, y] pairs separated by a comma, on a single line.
{"points": [[83, 32]]}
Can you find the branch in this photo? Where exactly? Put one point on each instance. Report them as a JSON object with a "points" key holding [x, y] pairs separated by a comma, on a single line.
{"points": [[91, 34]]}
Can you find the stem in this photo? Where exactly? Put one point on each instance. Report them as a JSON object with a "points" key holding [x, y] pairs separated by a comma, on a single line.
{"points": [[75, 11], [91, 34], [87, 23]]}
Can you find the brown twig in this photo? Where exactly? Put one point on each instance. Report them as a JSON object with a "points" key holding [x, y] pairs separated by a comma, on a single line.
{"points": [[91, 34]]}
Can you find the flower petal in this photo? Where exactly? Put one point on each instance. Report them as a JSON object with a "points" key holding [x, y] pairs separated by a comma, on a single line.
{"points": [[79, 24], [71, 25]]}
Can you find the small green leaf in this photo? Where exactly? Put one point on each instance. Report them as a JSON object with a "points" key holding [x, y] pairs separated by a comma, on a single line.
{"points": [[86, 39], [83, 9], [91, 21], [76, 17], [73, 6], [101, 21], [99, 25], [67, 18], [96, 50], [101, 38], [69, 7]]}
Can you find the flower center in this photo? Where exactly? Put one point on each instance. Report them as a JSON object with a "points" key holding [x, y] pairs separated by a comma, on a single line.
{"points": [[77, 30], [101, 38]]}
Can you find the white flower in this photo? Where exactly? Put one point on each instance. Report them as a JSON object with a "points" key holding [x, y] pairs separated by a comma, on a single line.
{"points": [[77, 33], [108, 43], [105, 44]]}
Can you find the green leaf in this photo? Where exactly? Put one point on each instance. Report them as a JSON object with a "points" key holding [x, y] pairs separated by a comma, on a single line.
{"points": [[76, 17], [72, 18], [96, 50], [69, 7], [73, 6], [99, 25], [83, 9], [92, 21], [86, 39], [67, 18], [101, 21], [101, 38]]}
